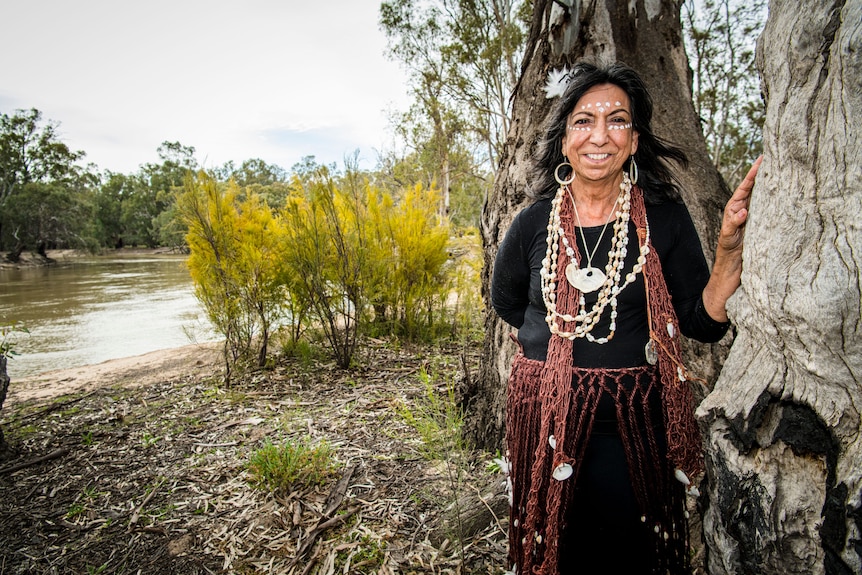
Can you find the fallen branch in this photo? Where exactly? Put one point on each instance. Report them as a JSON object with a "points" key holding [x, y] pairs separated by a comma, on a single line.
{"points": [[51, 408], [53, 455], [318, 531], [136, 515], [333, 502]]}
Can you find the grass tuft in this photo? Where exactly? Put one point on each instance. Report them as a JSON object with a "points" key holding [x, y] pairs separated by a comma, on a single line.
{"points": [[281, 468]]}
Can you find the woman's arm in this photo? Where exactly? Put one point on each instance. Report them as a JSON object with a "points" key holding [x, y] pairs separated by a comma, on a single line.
{"points": [[510, 281], [727, 269]]}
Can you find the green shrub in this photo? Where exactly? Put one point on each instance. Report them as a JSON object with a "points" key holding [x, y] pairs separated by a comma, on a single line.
{"points": [[438, 420], [281, 468]]}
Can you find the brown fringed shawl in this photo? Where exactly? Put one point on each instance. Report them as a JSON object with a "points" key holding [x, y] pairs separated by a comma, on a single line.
{"points": [[554, 398]]}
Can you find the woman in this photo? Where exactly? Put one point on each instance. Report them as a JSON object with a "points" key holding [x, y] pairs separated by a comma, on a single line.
{"points": [[600, 274]]}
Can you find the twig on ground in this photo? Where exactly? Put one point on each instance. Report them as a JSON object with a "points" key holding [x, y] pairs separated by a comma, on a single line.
{"points": [[18, 466]]}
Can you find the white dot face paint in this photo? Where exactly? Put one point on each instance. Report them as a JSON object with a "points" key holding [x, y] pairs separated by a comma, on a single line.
{"points": [[601, 108], [626, 126], [599, 133]]}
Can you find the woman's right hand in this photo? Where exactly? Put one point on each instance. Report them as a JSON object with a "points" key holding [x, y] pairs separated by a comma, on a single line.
{"points": [[727, 269]]}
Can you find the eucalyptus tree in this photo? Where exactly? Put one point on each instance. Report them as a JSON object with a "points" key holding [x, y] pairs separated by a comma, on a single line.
{"points": [[462, 57], [152, 191], [720, 42], [36, 169], [783, 422], [255, 176]]}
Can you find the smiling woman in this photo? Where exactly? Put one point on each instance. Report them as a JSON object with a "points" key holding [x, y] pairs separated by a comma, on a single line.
{"points": [[599, 424]]}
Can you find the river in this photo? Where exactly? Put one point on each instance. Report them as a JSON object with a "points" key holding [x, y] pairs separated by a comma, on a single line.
{"points": [[88, 310]]}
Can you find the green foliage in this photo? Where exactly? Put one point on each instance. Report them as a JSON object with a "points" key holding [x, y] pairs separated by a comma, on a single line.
{"points": [[363, 555], [437, 419], [254, 172], [44, 193], [31, 151], [721, 40], [75, 510], [148, 213], [410, 286], [108, 209], [293, 464], [236, 265], [8, 340], [47, 215], [463, 57]]}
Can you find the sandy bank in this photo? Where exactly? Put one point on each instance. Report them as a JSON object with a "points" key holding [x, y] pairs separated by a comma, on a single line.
{"points": [[143, 369]]}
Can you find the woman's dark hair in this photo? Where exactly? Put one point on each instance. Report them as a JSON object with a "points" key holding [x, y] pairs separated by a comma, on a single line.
{"points": [[653, 153]]}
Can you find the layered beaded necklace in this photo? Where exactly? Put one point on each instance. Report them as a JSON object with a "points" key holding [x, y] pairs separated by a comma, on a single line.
{"points": [[589, 279]]}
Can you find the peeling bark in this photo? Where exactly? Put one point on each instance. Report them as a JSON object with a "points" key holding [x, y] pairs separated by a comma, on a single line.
{"points": [[784, 449]]}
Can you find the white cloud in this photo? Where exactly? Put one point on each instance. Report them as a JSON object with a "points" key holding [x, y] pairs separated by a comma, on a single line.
{"points": [[269, 79]]}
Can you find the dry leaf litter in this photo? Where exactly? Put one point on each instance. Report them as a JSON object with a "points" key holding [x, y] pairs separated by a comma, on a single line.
{"points": [[153, 479]]}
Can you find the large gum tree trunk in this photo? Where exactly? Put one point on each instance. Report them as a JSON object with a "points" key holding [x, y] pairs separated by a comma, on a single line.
{"points": [[646, 35], [784, 453]]}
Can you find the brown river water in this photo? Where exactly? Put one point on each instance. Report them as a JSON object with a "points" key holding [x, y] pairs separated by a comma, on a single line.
{"points": [[88, 310]]}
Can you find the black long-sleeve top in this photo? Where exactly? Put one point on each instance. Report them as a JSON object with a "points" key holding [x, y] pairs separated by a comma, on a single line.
{"points": [[516, 292]]}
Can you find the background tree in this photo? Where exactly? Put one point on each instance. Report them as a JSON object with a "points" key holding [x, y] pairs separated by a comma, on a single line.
{"points": [[108, 208], [783, 421], [153, 191], [462, 57], [720, 38], [36, 168]]}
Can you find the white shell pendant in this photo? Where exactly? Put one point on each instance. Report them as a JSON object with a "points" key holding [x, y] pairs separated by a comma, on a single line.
{"points": [[563, 471], [586, 280], [651, 352]]}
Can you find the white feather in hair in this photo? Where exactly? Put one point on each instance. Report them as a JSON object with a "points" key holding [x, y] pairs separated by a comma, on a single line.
{"points": [[558, 81]]}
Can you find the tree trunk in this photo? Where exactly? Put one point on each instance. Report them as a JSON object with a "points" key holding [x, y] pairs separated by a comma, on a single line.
{"points": [[783, 449], [646, 35]]}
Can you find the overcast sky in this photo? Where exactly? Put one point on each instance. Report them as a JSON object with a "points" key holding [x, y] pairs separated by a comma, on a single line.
{"points": [[271, 79]]}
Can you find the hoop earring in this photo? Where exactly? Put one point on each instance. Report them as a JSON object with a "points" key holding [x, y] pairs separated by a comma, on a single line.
{"points": [[633, 170], [557, 177]]}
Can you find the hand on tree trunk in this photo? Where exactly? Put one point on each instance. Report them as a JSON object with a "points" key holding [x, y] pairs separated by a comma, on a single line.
{"points": [[727, 270]]}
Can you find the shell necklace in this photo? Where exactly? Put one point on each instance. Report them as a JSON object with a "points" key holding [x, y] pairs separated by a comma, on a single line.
{"points": [[610, 287], [588, 279]]}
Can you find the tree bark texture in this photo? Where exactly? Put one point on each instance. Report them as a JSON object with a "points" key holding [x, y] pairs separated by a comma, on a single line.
{"points": [[784, 456], [646, 35]]}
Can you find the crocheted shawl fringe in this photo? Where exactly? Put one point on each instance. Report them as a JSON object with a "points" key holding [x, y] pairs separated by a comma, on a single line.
{"points": [[553, 398]]}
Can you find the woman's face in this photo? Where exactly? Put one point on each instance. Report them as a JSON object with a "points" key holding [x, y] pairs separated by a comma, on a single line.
{"points": [[599, 136]]}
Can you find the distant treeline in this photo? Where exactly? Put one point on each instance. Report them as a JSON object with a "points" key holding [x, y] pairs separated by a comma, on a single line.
{"points": [[51, 199]]}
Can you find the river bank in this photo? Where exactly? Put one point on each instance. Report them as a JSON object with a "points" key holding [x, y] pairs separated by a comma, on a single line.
{"points": [[59, 257], [141, 465], [144, 369]]}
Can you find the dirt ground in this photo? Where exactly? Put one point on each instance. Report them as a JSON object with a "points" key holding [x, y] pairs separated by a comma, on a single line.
{"points": [[140, 465]]}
